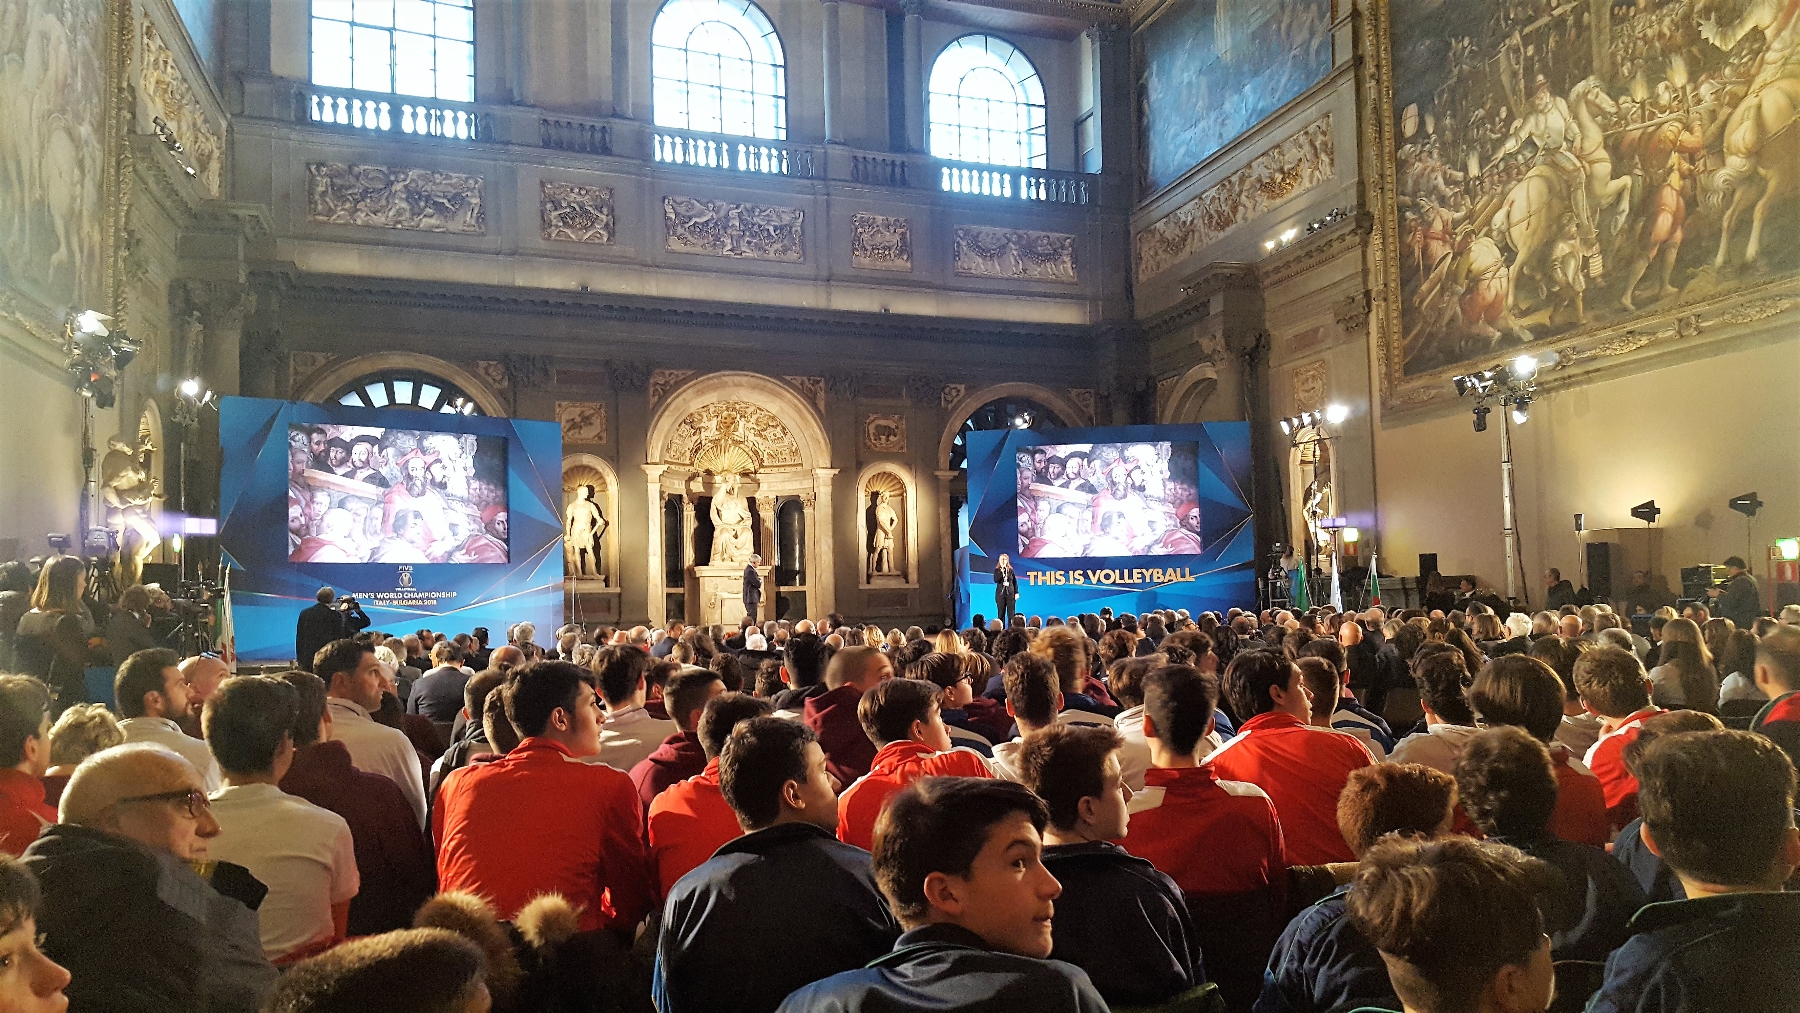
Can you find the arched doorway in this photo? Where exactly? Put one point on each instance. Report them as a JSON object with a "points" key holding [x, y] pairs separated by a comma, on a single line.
{"points": [[403, 380]]}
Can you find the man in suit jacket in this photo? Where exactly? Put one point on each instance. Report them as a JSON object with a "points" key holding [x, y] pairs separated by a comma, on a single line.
{"points": [[752, 586], [322, 623]]}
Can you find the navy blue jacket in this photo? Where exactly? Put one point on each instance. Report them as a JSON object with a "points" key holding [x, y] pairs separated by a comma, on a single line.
{"points": [[439, 695], [1322, 963], [1737, 952], [1653, 875], [948, 969], [1587, 919], [771, 911], [1124, 923]]}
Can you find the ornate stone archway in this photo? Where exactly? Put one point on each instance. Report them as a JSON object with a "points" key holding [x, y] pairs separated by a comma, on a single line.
{"points": [[1189, 395], [321, 384]]}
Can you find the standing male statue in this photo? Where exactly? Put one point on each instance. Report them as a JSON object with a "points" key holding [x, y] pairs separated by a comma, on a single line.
{"points": [[586, 526], [753, 586], [881, 536]]}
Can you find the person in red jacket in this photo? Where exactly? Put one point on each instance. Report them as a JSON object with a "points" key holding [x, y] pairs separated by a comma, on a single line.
{"points": [[691, 819], [24, 757], [1302, 768], [1615, 687], [904, 716], [680, 756], [833, 715], [1524, 692], [532, 822]]}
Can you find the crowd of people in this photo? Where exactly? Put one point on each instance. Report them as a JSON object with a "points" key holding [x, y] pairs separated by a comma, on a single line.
{"points": [[1217, 812]]}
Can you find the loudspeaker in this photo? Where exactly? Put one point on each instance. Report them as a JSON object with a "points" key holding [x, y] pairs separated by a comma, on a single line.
{"points": [[1427, 564], [1600, 558], [165, 575]]}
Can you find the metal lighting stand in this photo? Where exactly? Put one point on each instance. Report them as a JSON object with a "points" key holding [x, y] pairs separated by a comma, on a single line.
{"points": [[1514, 386]]}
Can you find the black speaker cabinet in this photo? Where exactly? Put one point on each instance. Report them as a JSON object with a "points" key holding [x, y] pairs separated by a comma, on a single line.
{"points": [[1601, 558], [1427, 564], [165, 575]]}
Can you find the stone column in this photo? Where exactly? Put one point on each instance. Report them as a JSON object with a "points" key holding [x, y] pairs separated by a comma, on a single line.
{"points": [[834, 81], [913, 73], [946, 533], [657, 597], [820, 525]]}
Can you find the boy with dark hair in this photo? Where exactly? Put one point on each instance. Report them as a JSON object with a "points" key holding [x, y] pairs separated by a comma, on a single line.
{"points": [[715, 950], [833, 715], [691, 819], [1442, 675], [1719, 808], [533, 822], [1457, 924], [1347, 714], [1300, 767], [802, 670], [631, 732], [903, 717], [1218, 839], [1613, 685], [1122, 921], [1777, 674], [1032, 701], [1653, 875], [680, 756], [959, 861], [1523, 692], [151, 696], [1322, 963], [24, 757], [1507, 783]]}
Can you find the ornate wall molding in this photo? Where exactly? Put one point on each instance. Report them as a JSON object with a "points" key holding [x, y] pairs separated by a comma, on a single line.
{"points": [[1311, 385], [582, 421], [574, 213], [303, 365], [952, 393], [884, 434], [623, 376], [732, 437], [525, 371], [716, 228], [984, 251], [385, 197], [1083, 398], [663, 381], [165, 88], [493, 373], [811, 386], [880, 242], [1291, 167]]}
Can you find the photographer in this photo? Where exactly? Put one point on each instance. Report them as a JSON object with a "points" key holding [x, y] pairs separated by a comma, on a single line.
{"points": [[1739, 600], [320, 624]]}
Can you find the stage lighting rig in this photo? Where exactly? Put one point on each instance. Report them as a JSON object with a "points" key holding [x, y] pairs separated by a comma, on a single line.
{"points": [[96, 355], [1513, 385], [1308, 426], [192, 398]]}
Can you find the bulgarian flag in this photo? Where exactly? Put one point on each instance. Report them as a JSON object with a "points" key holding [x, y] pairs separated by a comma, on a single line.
{"points": [[1374, 580]]}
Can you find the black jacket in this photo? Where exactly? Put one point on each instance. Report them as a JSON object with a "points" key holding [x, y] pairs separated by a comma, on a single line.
{"points": [[1587, 917], [1739, 601], [1736, 951], [1006, 584], [1124, 923], [1322, 963], [716, 952], [140, 932], [948, 969], [795, 699], [1560, 593], [752, 586], [319, 625]]}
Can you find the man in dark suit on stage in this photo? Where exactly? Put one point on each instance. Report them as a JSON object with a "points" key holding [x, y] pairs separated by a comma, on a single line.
{"points": [[1006, 588], [752, 586], [322, 623]]}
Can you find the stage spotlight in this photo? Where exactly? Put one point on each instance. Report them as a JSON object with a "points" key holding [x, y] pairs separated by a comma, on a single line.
{"points": [[1647, 511], [92, 322], [1336, 413], [1462, 385], [1747, 504], [1520, 406], [1524, 367], [1350, 535], [190, 387], [1287, 427], [1481, 414]]}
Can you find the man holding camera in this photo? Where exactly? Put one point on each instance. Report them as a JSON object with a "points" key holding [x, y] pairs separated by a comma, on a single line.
{"points": [[320, 624], [1739, 600]]}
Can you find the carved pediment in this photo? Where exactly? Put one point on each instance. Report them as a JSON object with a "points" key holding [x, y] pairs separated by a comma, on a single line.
{"points": [[732, 437]]}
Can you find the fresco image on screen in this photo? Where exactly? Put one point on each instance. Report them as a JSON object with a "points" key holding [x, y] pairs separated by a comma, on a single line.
{"points": [[1212, 69], [1584, 165], [360, 494], [1108, 499]]}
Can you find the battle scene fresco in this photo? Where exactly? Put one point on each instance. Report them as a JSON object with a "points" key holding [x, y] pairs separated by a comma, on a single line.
{"points": [[1575, 166], [1211, 69]]}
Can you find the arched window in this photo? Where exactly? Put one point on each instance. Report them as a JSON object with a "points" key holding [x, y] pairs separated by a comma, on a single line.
{"points": [[717, 67], [1003, 413], [406, 389], [987, 104], [407, 47]]}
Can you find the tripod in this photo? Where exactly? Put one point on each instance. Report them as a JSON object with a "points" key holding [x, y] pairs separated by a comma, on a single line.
{"points": [[101, 588]]}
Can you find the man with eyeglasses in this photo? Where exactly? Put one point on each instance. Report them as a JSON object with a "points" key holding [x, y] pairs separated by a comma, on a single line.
{"points": [[132, 905]]}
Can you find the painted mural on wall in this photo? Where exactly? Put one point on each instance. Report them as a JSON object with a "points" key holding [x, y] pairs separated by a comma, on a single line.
{"points": [[52, 149], [1587, 166], [1212, 69]]}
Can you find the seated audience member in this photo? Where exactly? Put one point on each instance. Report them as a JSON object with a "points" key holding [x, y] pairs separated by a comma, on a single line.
{"points": [[680, 755], [690, 820], [1118, 918], [1523, 692], [438, 695], [1126, 680], [150, 695], [959, 861], [1457, 923], [631, 733], [781, 906], [202, 673], [946, 672], [1719, 809], [408, 971], [1322, 962], [301, 852], [1323, 685], [394, 863], [531, 822], [1778, 677], [1032, 701], [832, 715], [1738, 685], [30, 982], [1345, 713], [1580, 728], [1442, 675], [1614, 686], [1219, 840], [903, 717], [1652, 874], [353, 693], [24, 759], [803, 662], [80, 732], [469, 739], [1507, 784], [126, 912], [1301, 768], [1085, 700]]}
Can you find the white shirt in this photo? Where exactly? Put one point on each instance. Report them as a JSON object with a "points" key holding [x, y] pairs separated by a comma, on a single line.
{"points": [[1005, 761], [1134, 756], [1439, 747], [164, 732], [302, 853], [376, 748], [1665, 686], [1740, 686], [628, 736]]}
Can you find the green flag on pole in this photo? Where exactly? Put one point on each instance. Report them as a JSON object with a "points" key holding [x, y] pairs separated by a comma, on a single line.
{"points": [[1301, 602]]}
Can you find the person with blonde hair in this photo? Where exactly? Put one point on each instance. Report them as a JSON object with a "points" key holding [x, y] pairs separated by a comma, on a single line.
{"points": [[872, 636], [896, 639], [947, 642], [81, 731]]}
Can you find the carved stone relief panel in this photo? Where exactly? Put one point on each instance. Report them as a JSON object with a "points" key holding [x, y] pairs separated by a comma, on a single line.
{"points": [[812, 386], [1310, 385], [953, 392], [983, 251], [884, 434], [385, 197], [716, 228], [732, 437], [493, 372], [1084, 399], [575, 214], [880, 242], [173, 101], [304, 364], [582, 421], [1294, 166], [663, 381]]}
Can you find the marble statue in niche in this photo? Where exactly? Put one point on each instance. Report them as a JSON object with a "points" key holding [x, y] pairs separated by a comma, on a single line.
{"points": [[585, 529], [880, 242], [576, 214], [983, 251], [130, 495], [886, 530], [883, 521], [733, 540], [383, 197], [716, 228]]}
